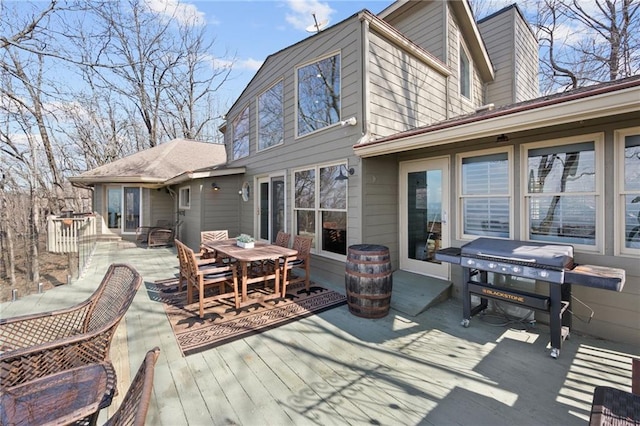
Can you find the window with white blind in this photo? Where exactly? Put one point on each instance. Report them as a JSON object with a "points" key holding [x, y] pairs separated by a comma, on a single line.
{"points": [[563, 190], [628, 153], [485, 194]]}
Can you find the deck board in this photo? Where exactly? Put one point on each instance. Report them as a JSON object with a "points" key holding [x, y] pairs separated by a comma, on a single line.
{"points": [[334, 368]]}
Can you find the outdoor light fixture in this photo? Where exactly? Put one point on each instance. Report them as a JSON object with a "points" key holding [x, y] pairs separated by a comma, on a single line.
{"points": [[215, 186], [502, 138], [349, 122], [342, 176]]}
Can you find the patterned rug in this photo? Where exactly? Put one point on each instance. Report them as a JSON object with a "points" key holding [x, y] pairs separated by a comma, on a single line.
{"points": [[222, 323]]}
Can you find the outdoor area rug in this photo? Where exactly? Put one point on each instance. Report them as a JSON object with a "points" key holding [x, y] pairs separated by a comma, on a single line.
{"points": [[222, 323]]}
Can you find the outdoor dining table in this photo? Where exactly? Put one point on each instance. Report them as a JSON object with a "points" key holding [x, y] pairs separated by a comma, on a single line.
{"points": [[260, 253], [60, 398]]}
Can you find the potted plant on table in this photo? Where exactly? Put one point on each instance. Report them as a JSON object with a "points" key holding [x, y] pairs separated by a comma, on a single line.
{"points": [[245, 241]]}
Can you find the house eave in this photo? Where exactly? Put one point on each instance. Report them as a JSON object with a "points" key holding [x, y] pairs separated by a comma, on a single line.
{"points": [[517, 120], [115, 179], [202, 174]]}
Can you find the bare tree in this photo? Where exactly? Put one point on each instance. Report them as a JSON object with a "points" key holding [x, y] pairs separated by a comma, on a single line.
{"points": [[582, 45], [160, 66]]}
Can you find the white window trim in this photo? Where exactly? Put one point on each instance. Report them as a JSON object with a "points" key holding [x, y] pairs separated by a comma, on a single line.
{"points": [[618, 205], [463, 48], [459, 197], [598, 141], [258, 149], [181, 204], [295, 74]]}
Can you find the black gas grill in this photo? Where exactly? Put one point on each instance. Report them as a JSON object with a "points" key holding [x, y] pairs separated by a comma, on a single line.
{"points": [[552, 263]]}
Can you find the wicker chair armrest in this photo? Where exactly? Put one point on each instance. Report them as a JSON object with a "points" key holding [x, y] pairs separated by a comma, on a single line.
{"points": [[25, 364], [34, 329]]}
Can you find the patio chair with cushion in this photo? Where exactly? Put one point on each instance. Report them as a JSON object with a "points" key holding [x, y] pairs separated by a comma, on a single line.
{"points": [[219, 275], [183, 259], [38, 345], [302, 261]]}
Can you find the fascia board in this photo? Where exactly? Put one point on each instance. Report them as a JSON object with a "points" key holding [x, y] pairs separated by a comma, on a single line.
{"points": [[204, 174]]}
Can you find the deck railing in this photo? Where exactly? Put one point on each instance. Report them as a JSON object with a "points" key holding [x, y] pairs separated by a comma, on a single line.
{"points": [[65, 233]]}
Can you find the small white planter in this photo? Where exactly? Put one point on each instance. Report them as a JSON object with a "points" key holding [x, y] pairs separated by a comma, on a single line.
{"points": [[245, 245]]}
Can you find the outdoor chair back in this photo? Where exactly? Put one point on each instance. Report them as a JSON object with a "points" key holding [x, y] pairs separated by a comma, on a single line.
{"points": [[302, 245], [155, 236], [208, 236], [135, 404], [282, 239], [41, 344], [202, 276]]}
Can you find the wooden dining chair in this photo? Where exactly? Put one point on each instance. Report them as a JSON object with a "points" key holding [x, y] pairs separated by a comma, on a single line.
{"points": [[202, 277], [282, 239], [183, 259], [208, 236], [302, 245]]}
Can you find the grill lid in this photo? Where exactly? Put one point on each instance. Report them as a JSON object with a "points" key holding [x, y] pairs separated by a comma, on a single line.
{"points": [[527, 252]]}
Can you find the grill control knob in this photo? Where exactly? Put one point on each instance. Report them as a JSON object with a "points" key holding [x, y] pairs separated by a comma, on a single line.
{"points": [[492, 265], [517, 269], [471, 262], [544, 274]]}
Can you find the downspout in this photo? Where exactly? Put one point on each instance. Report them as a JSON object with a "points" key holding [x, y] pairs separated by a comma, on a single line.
{"points": [[445, 46], [364, 102]]}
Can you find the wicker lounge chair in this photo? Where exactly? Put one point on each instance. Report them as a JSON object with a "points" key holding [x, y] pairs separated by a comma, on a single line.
{"points": [[38, 345], [135, 404], [155, 236]]}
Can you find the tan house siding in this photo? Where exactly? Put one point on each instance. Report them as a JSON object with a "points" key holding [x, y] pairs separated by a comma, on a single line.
{"points": [[526, 62], [616, 315], [329, 145], [404, 93], [459, 105], [514, 54], [423, 23]]}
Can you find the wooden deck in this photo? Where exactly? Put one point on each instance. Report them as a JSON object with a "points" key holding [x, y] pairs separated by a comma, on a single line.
{"points": [[335, 368]]}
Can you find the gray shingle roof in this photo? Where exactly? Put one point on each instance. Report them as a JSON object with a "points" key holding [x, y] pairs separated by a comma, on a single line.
{"points": [[158, 164]]}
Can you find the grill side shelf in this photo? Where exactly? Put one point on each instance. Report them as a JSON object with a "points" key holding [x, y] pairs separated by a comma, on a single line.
{"points": [[449, 255], [597, 277]]}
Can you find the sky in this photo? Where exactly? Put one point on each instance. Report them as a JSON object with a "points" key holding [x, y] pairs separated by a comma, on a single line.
{"points": [[252, 30]]}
